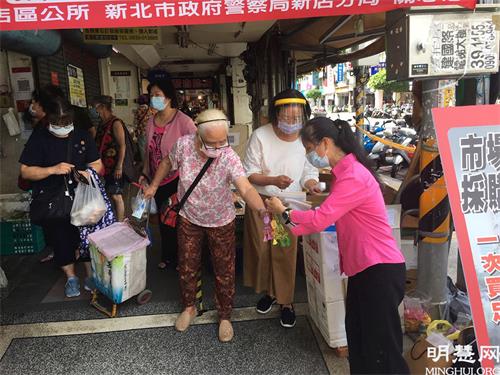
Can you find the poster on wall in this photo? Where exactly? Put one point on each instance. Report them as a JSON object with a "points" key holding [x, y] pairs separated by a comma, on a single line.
{"points": [[76, 86], [469, 146], [22, 87], [122, 81]]}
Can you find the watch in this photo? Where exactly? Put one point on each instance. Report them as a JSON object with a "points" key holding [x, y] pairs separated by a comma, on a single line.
{"points": [[286, 215]]}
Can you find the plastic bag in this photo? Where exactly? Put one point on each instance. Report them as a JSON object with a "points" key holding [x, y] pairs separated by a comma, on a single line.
{"points": [[457, 309], [153, 209], [416, 313], [89, 205], [141, 206]]}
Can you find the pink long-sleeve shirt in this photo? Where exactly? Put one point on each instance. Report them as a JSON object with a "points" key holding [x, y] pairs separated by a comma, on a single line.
{"points": [[356, 206]]}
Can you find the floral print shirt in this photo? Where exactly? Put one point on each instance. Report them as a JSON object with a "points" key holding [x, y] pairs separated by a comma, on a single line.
{"points": [[211, 202]]}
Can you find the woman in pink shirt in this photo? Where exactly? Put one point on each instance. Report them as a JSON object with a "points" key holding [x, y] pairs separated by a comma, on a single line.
{"points": [[162, 132], [369, 254]]}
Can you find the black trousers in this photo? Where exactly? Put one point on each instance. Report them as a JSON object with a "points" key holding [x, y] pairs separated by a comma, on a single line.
{"points": [[372, 321], [64, 239], [168, 234]]}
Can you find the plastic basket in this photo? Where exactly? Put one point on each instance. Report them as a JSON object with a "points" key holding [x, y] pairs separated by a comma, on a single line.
{"points": [[20, 237]]}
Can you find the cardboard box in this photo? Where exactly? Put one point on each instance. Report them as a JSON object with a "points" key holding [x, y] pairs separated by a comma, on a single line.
{"points": [[311, 299], [331, 321], [394, 216], [410, 252], [322, 264]]}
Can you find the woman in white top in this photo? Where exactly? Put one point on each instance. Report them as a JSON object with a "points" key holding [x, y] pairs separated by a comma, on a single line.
{"points": [[275, 162]]}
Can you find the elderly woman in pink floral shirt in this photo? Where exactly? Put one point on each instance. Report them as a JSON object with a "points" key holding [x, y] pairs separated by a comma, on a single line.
{"points": [[208, 212]]}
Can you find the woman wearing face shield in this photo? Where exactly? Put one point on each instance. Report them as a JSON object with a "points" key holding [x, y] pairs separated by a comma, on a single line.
{"points": [[44, 161], [209, 212], [162, 132], [369, 255], [275, 162]]}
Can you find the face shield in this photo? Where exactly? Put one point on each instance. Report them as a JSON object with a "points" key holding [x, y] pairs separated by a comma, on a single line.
{"points": [[291, 114]]}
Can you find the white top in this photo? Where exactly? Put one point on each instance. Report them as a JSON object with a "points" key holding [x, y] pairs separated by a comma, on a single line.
{"points": [[268, 155]]}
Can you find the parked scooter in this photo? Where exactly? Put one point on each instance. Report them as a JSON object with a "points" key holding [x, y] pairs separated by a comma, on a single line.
{"points": [[384, 155]]}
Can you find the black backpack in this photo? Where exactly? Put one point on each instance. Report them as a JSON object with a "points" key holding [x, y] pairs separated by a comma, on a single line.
{"points": [[130, 171]]}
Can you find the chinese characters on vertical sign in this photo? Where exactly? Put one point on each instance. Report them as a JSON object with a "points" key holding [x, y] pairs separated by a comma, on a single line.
{"points": [[463, 45], [479, 189], [76, 86], [469, 145], [480, 194]]}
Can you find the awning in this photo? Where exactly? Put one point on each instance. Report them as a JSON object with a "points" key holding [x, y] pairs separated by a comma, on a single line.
{"points": [[71, 14]]}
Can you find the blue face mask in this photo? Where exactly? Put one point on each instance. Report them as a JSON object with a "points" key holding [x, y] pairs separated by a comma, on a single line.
{"points": [[316, 160], [289, 128], [158, 103]]}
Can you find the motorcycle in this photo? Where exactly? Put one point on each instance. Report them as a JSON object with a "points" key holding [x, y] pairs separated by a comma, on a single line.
{"points": [[385, 155]]}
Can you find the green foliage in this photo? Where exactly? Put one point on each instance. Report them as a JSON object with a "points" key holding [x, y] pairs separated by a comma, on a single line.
{"points": [[379, 82], [314, 94]]}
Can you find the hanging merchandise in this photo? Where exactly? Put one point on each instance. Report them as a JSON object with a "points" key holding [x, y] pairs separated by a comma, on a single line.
{"points": [[275, 231], [12, 124]]}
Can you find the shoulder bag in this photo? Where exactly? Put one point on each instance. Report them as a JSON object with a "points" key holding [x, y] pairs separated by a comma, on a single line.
{"points": [[53, 204], [168, 215]]}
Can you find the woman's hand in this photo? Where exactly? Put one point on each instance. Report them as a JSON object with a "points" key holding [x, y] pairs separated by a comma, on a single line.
{"points": [[312, 187], [118, 173], [150, 191], [275, 206], [283, 182], [143, 180], [61, 168]]}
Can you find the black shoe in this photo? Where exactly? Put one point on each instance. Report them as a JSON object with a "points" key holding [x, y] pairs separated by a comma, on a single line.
{"points": [[287, 317], [265, 304]]}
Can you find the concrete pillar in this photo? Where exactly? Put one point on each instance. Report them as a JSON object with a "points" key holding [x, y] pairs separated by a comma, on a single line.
{"points": [[242, 113]]}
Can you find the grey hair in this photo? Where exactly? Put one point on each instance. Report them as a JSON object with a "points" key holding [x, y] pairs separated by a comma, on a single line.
{"points": [[211, 118]]}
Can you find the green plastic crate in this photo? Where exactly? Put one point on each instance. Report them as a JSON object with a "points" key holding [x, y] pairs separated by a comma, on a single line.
{"points": [[20, 237]]}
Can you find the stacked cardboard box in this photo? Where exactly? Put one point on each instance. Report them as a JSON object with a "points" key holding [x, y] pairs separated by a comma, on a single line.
{"points": [[325, 286]]}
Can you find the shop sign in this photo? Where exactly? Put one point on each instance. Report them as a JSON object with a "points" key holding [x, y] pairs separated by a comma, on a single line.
{"points": [[453, 45], [76, 86], [192, 83], [71, 14], [469, 145], [340, 72], [120, 73], [146, 35]]}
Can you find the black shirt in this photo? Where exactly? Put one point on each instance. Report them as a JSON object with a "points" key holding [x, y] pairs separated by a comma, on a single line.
{"points": [[44, 149]]}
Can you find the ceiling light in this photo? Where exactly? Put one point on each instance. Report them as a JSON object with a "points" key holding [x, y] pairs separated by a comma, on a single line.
{"points": [[115, 49]]}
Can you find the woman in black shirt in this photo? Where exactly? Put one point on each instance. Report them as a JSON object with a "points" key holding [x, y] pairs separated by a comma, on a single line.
{"points": [[44, 162]]}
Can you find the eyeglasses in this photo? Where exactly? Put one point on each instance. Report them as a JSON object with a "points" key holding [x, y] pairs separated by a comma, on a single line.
{"points": [[212, 148]]}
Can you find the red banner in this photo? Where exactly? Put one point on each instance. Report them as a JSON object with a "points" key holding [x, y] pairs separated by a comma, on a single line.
{"points": [[71, 14]]}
